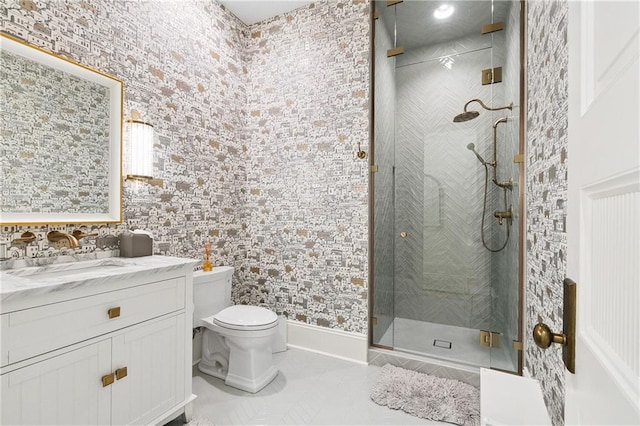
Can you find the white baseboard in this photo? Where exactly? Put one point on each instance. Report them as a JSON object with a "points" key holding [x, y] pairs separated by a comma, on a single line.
{"points": [[327, 341]]}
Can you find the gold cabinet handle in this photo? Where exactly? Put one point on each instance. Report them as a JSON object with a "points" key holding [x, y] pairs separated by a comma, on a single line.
{"points": [[403, 234], [121, 373], [114, 312], [107, 380]]}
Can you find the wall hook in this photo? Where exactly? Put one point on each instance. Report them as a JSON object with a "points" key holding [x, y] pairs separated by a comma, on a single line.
{"points": [[361, 154]]}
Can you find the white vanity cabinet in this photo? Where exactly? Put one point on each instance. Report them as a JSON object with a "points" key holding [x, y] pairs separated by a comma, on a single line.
{"points": [[59, 390], [117, 352]]}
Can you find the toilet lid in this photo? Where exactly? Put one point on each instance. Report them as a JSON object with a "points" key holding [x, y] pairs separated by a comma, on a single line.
{"points": [[245, 317]]}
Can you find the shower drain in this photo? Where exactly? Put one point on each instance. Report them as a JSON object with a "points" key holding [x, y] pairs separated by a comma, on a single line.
{"points": [[441, 344]]}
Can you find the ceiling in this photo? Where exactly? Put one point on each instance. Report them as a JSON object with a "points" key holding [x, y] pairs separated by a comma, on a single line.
{"points": [[253, 11], [416, 26]]}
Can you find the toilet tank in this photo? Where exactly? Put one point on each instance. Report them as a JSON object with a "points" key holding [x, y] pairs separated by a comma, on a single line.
{"points": [[211, 292]]}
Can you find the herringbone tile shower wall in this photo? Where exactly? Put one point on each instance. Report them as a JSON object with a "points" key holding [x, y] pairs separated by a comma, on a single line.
{"points": [[443, 274]]}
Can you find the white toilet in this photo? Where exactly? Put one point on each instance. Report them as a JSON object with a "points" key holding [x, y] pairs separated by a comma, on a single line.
{"points": [[237, 340]]}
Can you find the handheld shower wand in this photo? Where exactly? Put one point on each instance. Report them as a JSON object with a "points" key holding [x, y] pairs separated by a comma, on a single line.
{"points": [[471, 147]]}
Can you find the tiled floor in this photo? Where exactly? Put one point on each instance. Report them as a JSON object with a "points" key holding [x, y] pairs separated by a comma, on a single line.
{"points": [[310, 389], [417, 337]]}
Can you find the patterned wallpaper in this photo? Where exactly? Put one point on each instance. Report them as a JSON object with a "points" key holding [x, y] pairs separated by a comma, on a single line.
{"points": [[306, 195], [182, 69], [186, 69], [256, 134], [546, 182], [29, 150]]}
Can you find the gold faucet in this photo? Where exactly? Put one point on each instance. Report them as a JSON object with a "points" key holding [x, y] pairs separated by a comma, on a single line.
{"points": [[25, 238], [78, 234], [62, 239]]}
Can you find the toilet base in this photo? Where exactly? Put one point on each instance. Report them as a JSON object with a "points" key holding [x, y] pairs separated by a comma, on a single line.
{"points": [[245, 364], [254, 385], [240, 382], [214, 371]]}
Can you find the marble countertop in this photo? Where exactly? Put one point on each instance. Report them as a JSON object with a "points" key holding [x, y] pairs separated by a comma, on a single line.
{"points": [[38, 280]]}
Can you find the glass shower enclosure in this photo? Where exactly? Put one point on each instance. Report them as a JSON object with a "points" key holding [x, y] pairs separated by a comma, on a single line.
{"points": [[447, 195]]}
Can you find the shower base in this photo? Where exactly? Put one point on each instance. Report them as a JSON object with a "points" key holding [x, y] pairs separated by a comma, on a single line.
{"points": [[447, 342]]}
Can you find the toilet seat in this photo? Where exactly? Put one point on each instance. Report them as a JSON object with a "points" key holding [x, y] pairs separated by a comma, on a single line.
{"points": [[247, 318]]}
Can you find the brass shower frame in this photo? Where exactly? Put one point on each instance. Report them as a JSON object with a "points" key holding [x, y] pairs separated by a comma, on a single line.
{"points": [[518, 345]]}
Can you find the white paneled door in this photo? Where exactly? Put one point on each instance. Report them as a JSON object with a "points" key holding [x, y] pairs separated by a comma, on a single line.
{"points": [[603, 223]]}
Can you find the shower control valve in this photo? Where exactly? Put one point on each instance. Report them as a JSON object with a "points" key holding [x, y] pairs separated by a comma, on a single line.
{"points": [[504, 215], [507, 185]]}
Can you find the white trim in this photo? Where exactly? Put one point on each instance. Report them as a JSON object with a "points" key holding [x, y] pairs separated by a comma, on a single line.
{"points": [[507, 399], [327, 341]]}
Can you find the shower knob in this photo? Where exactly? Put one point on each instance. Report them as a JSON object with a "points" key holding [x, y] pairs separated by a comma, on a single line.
{"points": [[543, 336], [403, 234]]}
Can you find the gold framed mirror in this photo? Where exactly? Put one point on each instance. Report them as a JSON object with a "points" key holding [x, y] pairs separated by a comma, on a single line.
{"points": [[60, 139]]}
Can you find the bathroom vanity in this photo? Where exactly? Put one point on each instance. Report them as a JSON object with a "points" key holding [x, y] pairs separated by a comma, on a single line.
{"points": [[104, 341]]}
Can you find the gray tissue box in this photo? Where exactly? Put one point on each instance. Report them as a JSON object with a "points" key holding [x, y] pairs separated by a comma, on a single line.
{"points": [[135, 245]]}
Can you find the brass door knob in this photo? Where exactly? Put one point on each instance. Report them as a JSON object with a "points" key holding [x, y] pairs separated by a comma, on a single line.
{"points": [[544, 337], [403, 234]]}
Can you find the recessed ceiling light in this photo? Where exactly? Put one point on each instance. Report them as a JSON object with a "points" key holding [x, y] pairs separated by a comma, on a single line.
{"points": [[443, 11]]}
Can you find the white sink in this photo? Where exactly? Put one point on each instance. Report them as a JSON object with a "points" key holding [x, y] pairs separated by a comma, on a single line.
{"points": [[62, 269]]}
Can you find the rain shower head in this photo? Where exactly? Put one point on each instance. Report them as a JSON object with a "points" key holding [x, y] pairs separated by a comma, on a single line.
{"points": [[465, 116], [470, 115], [471, 147]]}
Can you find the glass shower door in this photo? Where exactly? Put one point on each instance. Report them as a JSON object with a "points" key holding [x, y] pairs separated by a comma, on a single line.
{"points": [[436, 286], [383, 313], [442, 272]]}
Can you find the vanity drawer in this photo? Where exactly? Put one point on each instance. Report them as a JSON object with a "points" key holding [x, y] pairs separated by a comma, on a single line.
{"points": [[31, 332]]}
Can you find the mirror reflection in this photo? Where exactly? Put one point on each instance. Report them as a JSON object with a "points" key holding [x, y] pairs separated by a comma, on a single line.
{"points": [[59, 138]]}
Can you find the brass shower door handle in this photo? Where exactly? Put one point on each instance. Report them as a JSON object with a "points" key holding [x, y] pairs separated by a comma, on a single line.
{"points": [[544, 337]]}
